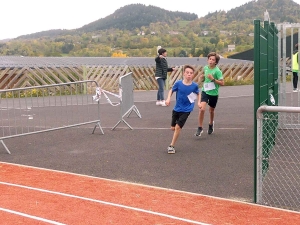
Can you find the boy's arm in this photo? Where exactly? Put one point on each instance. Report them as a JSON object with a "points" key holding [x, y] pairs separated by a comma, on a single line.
{"points": [[199, 99], [169, 97], [201, 78], [220, 79], [219, 82]]}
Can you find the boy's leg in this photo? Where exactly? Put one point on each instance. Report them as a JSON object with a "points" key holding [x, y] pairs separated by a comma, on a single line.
{"points": [[200, 119], [211, 115], [176, 129], [201, 113], [171, 149], [180, 121], [175, 135], [212, 105], [203, 102], [211, 120]]}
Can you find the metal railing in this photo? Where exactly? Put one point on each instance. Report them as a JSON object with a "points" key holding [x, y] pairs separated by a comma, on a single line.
{"points": [[278, 157], [37, 109]]}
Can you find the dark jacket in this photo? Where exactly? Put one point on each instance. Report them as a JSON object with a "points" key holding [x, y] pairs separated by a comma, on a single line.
{"points": [[162, 68]]}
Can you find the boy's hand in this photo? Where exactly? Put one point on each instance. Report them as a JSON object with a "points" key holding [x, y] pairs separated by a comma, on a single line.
{"points": [[209, 76], [201, 78], [199, 105], [167, 102]]}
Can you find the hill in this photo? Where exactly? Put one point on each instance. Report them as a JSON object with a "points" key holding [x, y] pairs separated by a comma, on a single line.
{"points": [[135, 16], [129, 17], [280, 11], [135, 30]]}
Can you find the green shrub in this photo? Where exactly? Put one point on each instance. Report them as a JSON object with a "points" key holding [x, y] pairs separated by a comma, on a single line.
{"points": [[231, 82]]}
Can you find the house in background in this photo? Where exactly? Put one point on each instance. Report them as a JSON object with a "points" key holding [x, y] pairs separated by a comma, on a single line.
{"points": [[230, 48]]}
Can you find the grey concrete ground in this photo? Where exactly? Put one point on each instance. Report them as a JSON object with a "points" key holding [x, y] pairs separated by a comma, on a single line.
{"points": [[221, 164]]}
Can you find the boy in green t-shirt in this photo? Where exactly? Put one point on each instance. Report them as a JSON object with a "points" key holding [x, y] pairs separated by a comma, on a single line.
{"points": [[212, 80]]}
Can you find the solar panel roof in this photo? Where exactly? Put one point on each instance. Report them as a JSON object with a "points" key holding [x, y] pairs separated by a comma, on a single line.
{"points": [[20, 61]]}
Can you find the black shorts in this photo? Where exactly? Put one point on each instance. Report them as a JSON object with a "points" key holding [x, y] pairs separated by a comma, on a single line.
{"points": [[179, 118], [209, 99]]}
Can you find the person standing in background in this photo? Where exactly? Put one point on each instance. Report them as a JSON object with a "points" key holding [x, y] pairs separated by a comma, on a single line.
{"points": [[295, 68], [161, 74], [212, 79]]}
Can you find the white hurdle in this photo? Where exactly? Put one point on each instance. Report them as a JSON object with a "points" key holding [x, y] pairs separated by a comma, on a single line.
{"points": [[125, 97]]}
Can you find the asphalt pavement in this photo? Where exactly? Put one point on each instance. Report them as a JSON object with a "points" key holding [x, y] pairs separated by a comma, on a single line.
{"points": [[221, 164]]}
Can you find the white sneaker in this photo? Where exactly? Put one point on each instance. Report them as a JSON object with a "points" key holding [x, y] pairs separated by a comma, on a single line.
{"points": [[163, 103], [295, 90], [158, 103], [171, 150]]}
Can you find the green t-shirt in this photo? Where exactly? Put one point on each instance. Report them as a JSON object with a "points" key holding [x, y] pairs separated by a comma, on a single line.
{"points": [[217, 74]]}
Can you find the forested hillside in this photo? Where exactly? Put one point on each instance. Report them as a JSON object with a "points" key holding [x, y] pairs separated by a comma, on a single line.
{"points": [[136, 30], [134, 16]]}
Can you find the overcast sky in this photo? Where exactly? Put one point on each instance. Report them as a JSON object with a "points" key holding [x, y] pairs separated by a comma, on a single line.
{"points": [[20, 17]]}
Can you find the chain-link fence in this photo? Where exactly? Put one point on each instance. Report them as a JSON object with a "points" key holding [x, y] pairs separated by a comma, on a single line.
{"points": [[278, 157]]}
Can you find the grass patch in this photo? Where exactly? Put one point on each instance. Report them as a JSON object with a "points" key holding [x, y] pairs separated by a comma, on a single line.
{"points": [[232, 82], [228, 81], [183, 23]]}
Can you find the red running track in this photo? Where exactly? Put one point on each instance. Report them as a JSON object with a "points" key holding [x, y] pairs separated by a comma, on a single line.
{"points": [[32, 195]]}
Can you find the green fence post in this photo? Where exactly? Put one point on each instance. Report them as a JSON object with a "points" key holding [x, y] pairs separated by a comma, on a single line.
{"points": [[265, 88], [256, 92]]}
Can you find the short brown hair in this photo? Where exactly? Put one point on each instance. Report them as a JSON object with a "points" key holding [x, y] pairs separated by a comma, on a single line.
{"points": [[216, 55], [188, 66]]}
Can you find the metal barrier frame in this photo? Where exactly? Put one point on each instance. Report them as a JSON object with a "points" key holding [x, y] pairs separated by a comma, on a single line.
{"points": [[97, 121]]}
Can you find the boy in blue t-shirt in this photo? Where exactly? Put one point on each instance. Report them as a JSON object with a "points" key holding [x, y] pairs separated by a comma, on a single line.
{"points": [[187, 92]]}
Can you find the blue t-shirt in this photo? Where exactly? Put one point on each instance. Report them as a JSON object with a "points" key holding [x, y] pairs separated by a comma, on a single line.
{"points": [[183, 103]]}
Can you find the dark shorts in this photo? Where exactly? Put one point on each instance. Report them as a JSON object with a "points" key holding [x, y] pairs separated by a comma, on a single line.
{"points": [[209, 99], [179, 118]]}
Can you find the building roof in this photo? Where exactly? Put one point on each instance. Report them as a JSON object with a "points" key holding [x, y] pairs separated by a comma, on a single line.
{"points": [[249, 54], [20, 61]]}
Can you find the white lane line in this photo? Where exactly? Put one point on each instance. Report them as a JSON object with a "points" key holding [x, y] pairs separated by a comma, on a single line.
{"points": [[173, 99], [232, 128], [106, 203], [31, 217], [249, 202], [168, 128], [236, 96]]}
